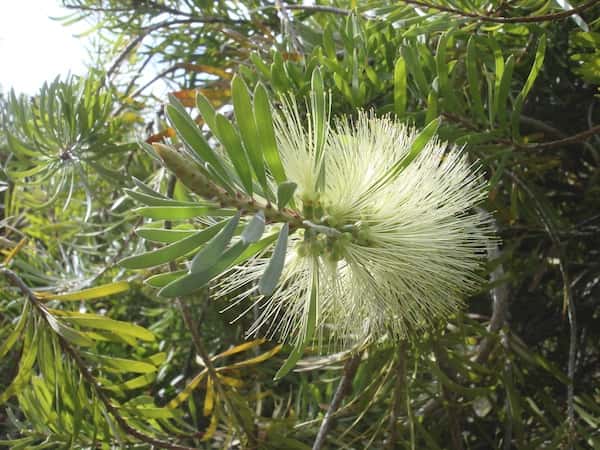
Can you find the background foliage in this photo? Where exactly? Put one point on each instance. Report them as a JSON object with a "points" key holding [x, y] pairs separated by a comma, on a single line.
{"points": [[93, 357]]}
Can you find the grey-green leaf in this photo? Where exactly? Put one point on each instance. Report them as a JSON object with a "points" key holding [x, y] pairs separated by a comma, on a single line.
{"points": [[270, 278], [255, 229], [211, 252], [285, 192]]}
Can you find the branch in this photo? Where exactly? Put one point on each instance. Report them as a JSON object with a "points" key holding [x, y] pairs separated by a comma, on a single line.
{"points": [[17, 282], [399, 396], [198, 342], [568, 140], [499, 305], [570, 305], [521, 19], [341, 391]]}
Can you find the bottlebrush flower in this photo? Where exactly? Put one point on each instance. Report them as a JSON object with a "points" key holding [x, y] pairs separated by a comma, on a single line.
{"points": [[385, 250]]}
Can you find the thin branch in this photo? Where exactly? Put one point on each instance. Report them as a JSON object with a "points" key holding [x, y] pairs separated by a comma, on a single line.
{"points": [[125, 53], [198, 342], [341, 391], [520, 19], [500, 302], [319, 8], [17, 282], [576, 138], [570, 304], [399, 396]]}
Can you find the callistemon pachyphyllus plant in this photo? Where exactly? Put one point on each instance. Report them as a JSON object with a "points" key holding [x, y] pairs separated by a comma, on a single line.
{"points": [[391, 241], [376, 231]]}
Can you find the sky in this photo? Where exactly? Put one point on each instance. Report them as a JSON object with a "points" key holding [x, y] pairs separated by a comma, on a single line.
{"points": [[35, 48]]}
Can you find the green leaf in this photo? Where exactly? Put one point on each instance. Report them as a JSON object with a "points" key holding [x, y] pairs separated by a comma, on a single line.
{"points": [[207, 111], [266, 132], [311, 326], [236, 254], [400, 87], [474, 80], [137, 382], [151, 200], [414, 65], [418, 145], [164, 235], [190, 133], [270, 277], [9, 341], [121, 365], [502, 92], [290, 362], [68, 333], [255, 228], [285, 193], [213, 250], [535, 69], [319, 116], [181, 212], [87, 294], [28, 358], [230, 139], [115, 326], [244, 115], [162, 279], [172, 251], [442, 68]]}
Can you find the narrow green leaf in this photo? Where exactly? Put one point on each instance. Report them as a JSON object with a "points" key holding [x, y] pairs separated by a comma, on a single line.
{"points": [[236, 254], [181, 212], [121, 365], [270, 277], [9, 341], [162, 279], [213, 250], [285, 193], [151, 200], [164, 235], [400, 87], [137, 382], [196, 280], [207, 112], [535, 70], [115, 326], [190, 133], [87, 294], [230, 139], [172, 251], [442, 68], [266, 132], [244, 115], [474, 81], [28, 358], [418, 145], [319, 110], [502, 92], [312, 315], [432, 107], [411, 56], [289, 363]]}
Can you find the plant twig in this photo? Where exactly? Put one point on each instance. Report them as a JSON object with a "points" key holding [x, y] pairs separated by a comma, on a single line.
{"points": [[495, 19], [571, 365], [576, 138], [341, 391], [198, 342], [17, 282], [399, 396]]}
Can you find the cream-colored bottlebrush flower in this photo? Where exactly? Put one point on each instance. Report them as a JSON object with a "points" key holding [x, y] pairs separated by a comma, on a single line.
{"points": [[387, 248]]}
